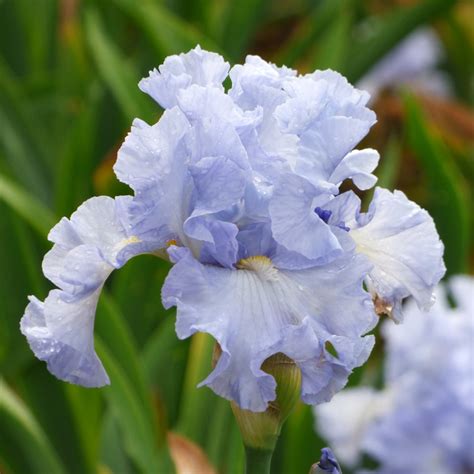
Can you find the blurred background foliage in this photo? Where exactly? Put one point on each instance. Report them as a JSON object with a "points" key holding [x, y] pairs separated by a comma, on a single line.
{"points": [[68, 93]]}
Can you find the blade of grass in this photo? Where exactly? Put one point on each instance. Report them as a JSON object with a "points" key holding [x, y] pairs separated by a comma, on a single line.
{"points": [[448, 200], [113, 454], [166, 32], [25, 205], [49, 402], [197, 403], [308, 31], [332, 48], [162, 351], [135, 419], [117, 73], [241, 19], [18, 423]]}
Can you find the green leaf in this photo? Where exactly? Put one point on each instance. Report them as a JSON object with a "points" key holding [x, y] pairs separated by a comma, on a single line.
{"points": [[459, 44], [29, 208], [448, 200], [387, 32], [166, 32], [299, 444], [332, 48], [86, 407], [49, 402], [39, 34], [224, 443], [308, 31], [23, 134], [113, 454], [118, 73], [112, 329], [162, 351], [241, 20], [197, 403], [19, 424], [15, 253], [134, 417], [18, 156], [137, 290]]}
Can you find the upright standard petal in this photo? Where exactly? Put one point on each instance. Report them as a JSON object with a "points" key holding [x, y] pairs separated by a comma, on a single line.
{"points": [[87, 248], [181, 71], [296, 225], [258, 310], [329, 117], [153, 161], [400, 239]]}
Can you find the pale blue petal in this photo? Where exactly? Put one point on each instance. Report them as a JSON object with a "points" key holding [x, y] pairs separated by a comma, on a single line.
{"points": [[180, 71], [87, 248], [357, 165], [256, 311], [217, 239], [154, 162], [296, 225], [219, 184], [344, 209], [202, 102], [324, 146], [329, 117], [255, 71], [216, 137], [400, 239], [146, 154], [61, 334]]}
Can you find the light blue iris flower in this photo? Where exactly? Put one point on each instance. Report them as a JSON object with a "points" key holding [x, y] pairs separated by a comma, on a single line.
{"points": [[239, 189], [422, 421]]}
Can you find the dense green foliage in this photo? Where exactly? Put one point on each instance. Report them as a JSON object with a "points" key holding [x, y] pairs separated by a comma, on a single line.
{"points": [[68, 93]]}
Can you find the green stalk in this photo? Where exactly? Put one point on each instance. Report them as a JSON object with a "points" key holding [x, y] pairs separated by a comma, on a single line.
{"points": [[260, 430], [257, 461]]}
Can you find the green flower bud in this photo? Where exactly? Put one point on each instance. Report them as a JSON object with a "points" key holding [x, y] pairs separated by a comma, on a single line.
{"points": [[260, 430]]}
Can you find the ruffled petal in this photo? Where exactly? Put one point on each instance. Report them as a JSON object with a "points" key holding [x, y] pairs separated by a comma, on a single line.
{"points": [[296, 225], [401, 241], [357, 165], [329, 117], [154, 161], [198, 102], [60, 333], [87, 248], [181, 71], [256, 72], [219, 184], [258, 310], [148, 151]]}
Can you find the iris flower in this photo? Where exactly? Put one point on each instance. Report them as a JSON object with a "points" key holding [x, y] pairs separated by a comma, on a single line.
{"points": [[423, 418], [239, 189]]}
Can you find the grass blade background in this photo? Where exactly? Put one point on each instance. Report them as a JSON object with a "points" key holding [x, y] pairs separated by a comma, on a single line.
{"points": [[448, 200], [29, 439]]}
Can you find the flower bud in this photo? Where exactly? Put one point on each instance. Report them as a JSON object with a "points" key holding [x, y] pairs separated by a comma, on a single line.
{"points": [[260, 430]]}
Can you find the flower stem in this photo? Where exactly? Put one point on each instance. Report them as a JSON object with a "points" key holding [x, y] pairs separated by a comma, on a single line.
{"points": [[257, 461]]}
